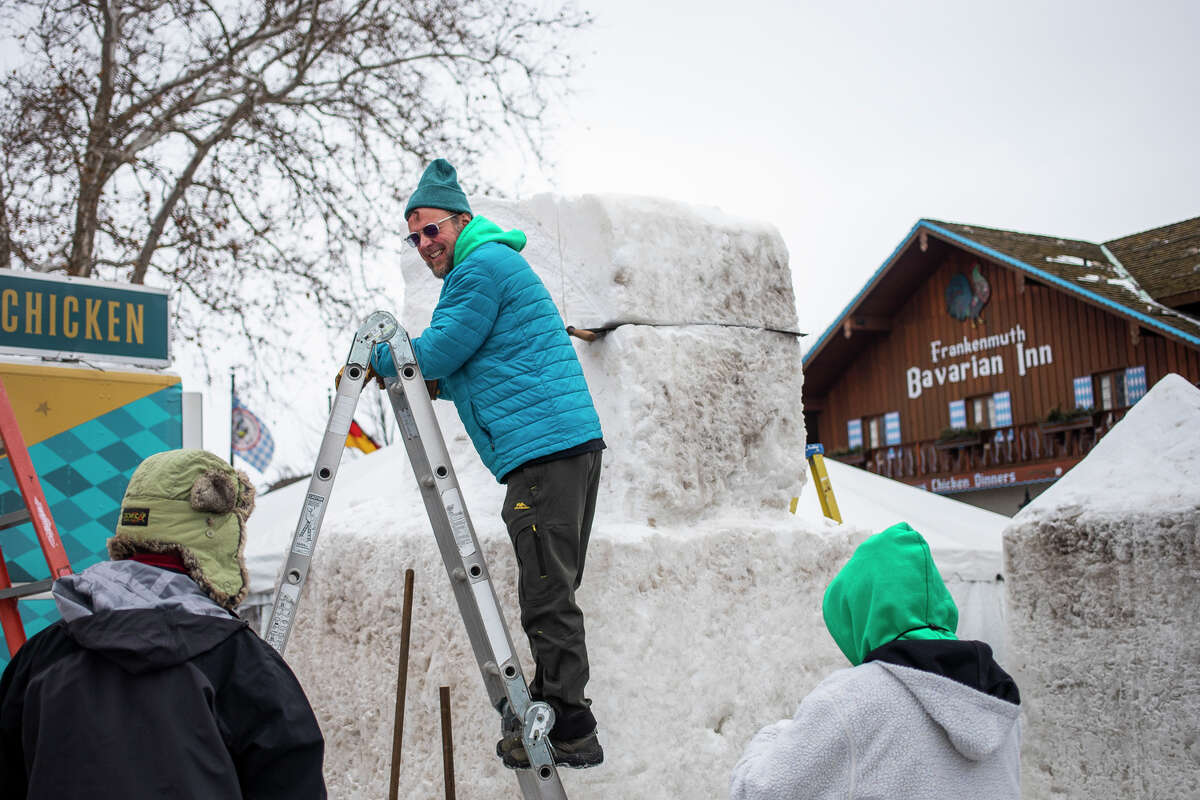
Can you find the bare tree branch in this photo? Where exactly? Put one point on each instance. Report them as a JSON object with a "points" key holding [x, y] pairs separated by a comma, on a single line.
{"points": [[246, 152]]}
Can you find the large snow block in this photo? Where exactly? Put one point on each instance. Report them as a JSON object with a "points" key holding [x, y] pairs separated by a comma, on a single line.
{"points": [[1103, 585], [707, 419], [694, 642], [615, 259], [653, 260]]}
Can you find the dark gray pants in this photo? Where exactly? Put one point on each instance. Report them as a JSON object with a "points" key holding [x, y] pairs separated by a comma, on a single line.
{"points": [[548, 510]]}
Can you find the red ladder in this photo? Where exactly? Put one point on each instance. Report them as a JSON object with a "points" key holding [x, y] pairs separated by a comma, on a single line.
{"points": [[38, 512]]}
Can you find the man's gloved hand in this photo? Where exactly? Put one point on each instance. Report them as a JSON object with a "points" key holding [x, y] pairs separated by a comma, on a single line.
{"points": [[337, 379], [381, 361], [377, 368], [382, 365]]}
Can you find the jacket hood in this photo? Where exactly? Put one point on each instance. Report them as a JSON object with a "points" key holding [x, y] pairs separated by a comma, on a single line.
{"points": [[481, 230], [970, 663], [889, 589], [142, 618], [976, 724]]}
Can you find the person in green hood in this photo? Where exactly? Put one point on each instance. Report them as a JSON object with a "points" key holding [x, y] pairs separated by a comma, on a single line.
{"points": [[497, 348], [918, 714]]}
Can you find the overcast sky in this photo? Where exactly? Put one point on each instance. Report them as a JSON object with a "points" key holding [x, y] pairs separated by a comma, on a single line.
{"points": [[844, 123]]}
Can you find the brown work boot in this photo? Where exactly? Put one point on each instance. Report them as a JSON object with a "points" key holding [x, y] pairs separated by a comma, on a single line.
{"points": [[578, 753]]}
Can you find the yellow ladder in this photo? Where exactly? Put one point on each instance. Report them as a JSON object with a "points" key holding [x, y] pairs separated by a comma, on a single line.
{"points": [[815, 454]]}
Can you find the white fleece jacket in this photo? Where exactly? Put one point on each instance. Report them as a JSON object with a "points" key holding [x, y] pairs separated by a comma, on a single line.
{"points": [[880, 731]]}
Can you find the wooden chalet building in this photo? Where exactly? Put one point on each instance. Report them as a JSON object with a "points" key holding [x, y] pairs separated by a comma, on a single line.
{"points": [[985, 363]]}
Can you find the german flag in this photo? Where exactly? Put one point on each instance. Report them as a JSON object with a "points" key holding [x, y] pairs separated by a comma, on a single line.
{"points": [[358, 438]]}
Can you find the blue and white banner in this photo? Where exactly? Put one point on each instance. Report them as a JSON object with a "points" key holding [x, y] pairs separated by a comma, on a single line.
{"points": [[891, 427], [958, 414], [1083, 392], [1003, 403], [854, 433], [251, 439], [1135, 384]]}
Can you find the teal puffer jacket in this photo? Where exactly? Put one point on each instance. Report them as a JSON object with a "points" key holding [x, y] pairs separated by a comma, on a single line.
{"points": [[499, 350]]}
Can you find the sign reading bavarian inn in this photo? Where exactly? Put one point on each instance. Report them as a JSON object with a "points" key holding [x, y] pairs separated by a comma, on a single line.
{"points": [[64, 317], [981, 357]]}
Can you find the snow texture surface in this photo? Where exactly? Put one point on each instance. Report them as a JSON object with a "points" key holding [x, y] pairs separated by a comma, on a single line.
{"points": [[1103, 590], [702, 594]]}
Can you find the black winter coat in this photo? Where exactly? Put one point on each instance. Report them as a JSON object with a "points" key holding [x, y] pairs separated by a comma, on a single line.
{"points": [[154, 703]]}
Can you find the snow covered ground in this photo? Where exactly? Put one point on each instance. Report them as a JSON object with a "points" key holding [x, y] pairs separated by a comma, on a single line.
{"points": [[1103, 586], [702, 593]]}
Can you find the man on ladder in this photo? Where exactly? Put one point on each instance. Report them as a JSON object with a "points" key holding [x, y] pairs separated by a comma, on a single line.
{"points": [[498, 349]]}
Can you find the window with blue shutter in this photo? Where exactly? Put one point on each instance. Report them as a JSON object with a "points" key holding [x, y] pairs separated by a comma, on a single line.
{"points": [[1003, 409], [854, 432], [1083, 392], [1135, 384], [958, 414], [891, 427]]}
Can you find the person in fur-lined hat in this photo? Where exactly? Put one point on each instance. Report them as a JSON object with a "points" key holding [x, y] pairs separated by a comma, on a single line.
{"points": [[150, 686]]}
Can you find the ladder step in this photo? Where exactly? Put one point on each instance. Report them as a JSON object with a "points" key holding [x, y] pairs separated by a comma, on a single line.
{"points": [[14, 518], [26, 589]]}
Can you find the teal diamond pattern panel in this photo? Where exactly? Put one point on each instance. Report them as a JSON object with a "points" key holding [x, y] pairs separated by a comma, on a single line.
{"points": [[84, 472]]}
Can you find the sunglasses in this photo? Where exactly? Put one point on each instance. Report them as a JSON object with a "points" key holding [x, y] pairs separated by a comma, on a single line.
{"points": [[431, 230]]}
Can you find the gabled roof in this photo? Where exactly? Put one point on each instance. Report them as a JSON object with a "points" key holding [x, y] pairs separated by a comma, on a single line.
{"points": [[1091, 272], [1165, 261]]}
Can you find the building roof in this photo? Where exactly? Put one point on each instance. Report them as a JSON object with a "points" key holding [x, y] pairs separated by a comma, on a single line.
{"points": [[1091, 269], [1165, 261], [1095, 273]]}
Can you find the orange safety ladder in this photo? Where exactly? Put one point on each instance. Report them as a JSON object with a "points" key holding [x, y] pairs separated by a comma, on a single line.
{"points": [[38, 512]]}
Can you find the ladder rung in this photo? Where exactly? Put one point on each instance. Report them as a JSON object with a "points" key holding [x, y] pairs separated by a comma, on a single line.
{"points": [[26, 589], [14, 518]]}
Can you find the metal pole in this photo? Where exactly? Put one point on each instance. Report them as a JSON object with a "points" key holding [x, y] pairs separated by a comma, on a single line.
{"points": [[232, 394], [401, 684], [447, 743]]}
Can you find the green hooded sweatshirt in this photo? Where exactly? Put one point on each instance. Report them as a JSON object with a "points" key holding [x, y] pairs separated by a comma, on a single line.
{"points": [[481, 230], [888, 590]]}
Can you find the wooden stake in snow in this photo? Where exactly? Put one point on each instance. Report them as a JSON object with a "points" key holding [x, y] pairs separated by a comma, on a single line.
{"points": [[401, 684], [447, 743]]}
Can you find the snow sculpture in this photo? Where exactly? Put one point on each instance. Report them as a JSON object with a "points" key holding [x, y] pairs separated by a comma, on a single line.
{"points": [[702, 593], [1103, 585]]}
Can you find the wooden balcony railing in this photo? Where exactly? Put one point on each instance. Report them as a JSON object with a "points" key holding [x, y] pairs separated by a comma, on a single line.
{"points": [[997, 447]]}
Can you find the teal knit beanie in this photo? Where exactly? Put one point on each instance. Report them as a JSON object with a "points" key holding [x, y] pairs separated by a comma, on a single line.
{"points": [[439, 188]]}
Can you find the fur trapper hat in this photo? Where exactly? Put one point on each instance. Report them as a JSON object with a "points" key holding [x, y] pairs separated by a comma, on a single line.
{"points": [[191, 503]]}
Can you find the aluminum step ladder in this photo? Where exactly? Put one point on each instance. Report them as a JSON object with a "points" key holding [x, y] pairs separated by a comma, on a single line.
{"points": [[463, 558]]}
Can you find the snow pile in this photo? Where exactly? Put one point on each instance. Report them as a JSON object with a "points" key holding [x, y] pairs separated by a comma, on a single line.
{"points": [[1103, 587], [702, 594]]}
